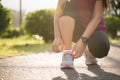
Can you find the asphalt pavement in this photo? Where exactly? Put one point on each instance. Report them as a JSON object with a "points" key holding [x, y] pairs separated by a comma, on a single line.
{"points": [[46, 66]]}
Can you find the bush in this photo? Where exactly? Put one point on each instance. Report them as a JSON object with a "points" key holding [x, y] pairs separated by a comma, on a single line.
{"points": [[5, 19], [11, 33], [41, 23], [113, 25]]}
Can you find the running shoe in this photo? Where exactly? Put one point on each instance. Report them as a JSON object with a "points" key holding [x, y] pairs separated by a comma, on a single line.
{"points": [[90, 59], [67, 60]]}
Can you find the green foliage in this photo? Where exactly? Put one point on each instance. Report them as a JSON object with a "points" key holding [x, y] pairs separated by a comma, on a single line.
{"points": [[116, 7], [113, 25], [11, 33], [22, 45], [40, 22], [5, 19], [0, 4]]}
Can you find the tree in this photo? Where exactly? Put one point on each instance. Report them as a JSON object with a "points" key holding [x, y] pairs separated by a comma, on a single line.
{"points": [[5, 19], [113, 25], [116, 7], [40, 22]]}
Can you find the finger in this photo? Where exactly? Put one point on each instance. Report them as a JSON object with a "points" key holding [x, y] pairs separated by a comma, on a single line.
{"points": [[74, 51], [60, 48], [77, 56], [54, 48]]}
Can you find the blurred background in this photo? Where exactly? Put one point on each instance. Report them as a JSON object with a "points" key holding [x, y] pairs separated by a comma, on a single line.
{"points": [[26, 26]]}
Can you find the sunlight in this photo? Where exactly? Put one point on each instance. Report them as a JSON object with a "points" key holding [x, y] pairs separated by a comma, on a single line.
{"points": [[30, 5]]}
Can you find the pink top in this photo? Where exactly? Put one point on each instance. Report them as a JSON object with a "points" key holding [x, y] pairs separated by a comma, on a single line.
{"points": [[86, 8]]}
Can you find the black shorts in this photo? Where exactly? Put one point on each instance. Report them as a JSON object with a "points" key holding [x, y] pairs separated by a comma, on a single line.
{"points": [[98, 42]]}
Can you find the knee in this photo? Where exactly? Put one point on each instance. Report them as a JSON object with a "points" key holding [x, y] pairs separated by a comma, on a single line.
{"points": [[99, 44], [101, 54], [100, 50], [103, 50], [66, 20]]}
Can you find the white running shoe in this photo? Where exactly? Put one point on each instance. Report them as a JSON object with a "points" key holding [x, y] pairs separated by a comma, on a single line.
{"points": [[67, 60], [90, 59]]}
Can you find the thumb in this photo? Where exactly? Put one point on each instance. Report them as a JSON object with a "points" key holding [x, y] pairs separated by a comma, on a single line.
{"points": [[61, 46], [73, 51]]}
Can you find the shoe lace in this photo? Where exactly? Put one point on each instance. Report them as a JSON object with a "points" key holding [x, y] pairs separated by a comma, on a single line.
{"points": [[67, 57]]}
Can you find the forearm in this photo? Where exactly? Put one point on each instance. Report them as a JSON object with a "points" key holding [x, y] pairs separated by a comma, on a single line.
{"points": [[58, 14], [96, 18], [56, 27], [93, 24]]}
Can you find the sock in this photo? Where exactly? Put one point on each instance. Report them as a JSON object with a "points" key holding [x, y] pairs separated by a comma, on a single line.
{"points": [[69, 51]]}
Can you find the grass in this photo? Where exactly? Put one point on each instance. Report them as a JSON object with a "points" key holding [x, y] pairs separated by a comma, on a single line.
{"points": [[26, 45], [22, 45], [114, 41]]}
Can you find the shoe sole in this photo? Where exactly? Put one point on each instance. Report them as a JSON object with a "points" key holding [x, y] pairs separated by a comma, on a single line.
{"points": [[67, 67], [94, 63]]}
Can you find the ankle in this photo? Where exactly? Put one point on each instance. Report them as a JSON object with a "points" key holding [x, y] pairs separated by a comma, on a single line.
{"points": [[69, 51], [87, 52]]}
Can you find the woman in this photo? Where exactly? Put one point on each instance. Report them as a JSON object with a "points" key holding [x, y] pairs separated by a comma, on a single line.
{"points": [[80, 21]]}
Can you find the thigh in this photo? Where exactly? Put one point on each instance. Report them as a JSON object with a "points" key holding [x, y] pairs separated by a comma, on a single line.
{"points": [[71, 11], [98, 44]]}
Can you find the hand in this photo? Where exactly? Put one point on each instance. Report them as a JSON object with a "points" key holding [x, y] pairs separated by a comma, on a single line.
{"points": [[78, 49], [57, 45]]}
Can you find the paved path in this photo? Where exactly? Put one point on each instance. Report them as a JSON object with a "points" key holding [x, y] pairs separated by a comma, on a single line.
{"points": [[45, 66]]}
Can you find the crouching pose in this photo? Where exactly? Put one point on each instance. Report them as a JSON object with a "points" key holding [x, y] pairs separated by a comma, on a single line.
{"points": [[82, 22]]}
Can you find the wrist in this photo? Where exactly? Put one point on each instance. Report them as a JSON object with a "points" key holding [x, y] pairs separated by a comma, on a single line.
{"points": [[57, 38], [84, 40]]}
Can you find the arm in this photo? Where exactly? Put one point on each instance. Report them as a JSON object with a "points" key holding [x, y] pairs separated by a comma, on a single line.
{"points": [[96, 18], [97, 14], [57, 45], [58, 13]]}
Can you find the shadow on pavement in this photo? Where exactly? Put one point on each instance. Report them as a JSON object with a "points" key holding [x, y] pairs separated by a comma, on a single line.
{"points": [[101, 74], [72, 74]]}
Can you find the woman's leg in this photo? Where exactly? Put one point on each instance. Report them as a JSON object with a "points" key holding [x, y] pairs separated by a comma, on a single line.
{"points": [[99, 44], [67, 24]]}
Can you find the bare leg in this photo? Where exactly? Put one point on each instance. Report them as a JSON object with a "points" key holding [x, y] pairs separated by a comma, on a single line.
{"points": [[88, 52], [67, 25], [89, 58]]}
